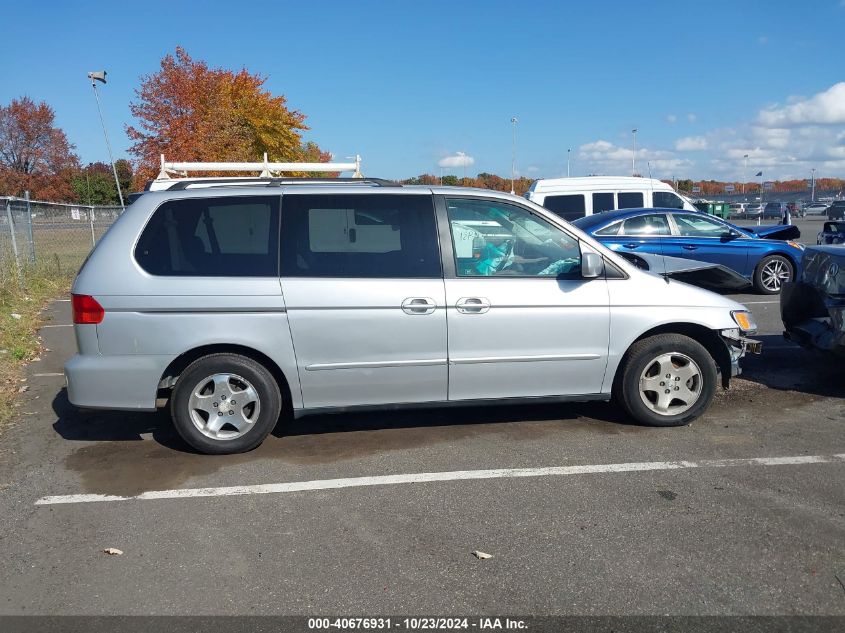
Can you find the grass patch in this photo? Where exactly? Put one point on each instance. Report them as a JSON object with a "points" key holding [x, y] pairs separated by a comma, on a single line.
{"points": [[20, 318]]}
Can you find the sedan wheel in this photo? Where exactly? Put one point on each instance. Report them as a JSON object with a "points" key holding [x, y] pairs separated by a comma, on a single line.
{"points": [[771, 273]]}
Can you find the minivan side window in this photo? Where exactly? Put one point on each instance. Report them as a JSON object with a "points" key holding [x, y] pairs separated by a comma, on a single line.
{"points": [[630, 200], [212, 237], [569, 207], [666, 200], [496, 239], [602, 202], [360, 236]]}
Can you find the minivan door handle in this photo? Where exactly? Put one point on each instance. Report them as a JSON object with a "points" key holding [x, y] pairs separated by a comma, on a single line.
{"points": [[630, 245], [472, 305], [690, 247], [418, 305]]}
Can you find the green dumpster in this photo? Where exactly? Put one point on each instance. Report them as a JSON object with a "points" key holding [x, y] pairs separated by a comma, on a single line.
{"points": [[719, 209]]}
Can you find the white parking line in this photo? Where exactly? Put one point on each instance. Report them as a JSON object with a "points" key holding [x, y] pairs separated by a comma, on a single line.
{"points": [[58, 325], [48, 374], [385, 480], [62, 300]]}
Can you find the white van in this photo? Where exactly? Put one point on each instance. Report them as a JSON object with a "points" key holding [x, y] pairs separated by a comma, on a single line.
{"points": [[573, 198]]}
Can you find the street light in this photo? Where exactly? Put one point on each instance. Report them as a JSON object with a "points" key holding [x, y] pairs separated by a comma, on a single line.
{"points": [[634, 153], [100, 75], [514, 121], [568, 152], [745, 173], [813, 185]]}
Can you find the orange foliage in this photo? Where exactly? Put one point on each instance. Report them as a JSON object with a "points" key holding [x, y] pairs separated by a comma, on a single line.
{"points": [[190, 112], [34, 154]]}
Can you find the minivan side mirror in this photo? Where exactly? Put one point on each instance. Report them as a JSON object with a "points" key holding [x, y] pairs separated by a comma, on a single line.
{"points": [[592, 265]]}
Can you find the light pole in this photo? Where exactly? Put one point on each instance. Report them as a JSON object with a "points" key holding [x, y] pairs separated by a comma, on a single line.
{"points": [[634, 153], [745, 173], [813, 185], [100, 75], [568, 153], [514, 121]]}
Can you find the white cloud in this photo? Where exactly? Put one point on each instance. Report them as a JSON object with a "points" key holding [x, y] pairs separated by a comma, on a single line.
{"points": [[692, 117], [671, 119], [459, 159], [825, 108], [691, 144], [603, 157]]}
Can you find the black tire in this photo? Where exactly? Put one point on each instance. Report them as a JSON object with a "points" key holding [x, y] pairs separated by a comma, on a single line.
{"points": [[642, 357], [763, 282], [253, 374]]}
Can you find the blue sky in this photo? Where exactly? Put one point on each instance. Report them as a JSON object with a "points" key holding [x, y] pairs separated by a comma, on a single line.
{"points": [[409, 84]]}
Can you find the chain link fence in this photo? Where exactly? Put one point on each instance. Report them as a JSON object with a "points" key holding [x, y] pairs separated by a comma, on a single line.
{"points": [[49, 235]]}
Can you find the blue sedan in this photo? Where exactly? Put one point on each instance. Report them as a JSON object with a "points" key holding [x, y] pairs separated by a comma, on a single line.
{"points": [[763, 255]]}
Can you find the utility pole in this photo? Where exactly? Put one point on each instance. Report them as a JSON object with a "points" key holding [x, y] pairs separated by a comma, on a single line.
{"points": [[514, 121], [634, 153], [568, 152]]}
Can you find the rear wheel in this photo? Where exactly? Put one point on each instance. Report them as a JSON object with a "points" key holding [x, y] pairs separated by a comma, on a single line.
{"points": [[771, 273], [225, 403], [666, 380]]}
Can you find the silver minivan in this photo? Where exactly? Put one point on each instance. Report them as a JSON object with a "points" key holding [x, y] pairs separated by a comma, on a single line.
{"points": [[230, 303]]}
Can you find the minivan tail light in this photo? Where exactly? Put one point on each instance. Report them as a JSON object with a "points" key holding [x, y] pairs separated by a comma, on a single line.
{"points": [[86, 310]]}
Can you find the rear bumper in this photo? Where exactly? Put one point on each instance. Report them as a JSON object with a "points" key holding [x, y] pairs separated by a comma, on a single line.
{"points": [[114, 382], [813, 319]]}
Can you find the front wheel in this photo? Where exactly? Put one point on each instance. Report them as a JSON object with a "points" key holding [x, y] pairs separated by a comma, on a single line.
{"points": [[771, 273], [225, 403], [666, 380]]}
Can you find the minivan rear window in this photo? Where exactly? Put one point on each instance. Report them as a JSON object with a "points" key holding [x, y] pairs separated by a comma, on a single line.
{"points": [[212, 237], [569, 207], [360, 236]]}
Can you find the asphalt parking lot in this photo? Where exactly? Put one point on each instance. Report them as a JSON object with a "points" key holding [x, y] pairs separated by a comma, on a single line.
{"points": [[742, 512]]}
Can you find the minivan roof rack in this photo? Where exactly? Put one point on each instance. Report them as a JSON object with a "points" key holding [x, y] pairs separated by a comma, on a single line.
{"points": [[185, 183], [266, 168]]}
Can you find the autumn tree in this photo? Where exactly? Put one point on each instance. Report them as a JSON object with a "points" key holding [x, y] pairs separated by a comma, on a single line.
{"points": [[190, 112], [35, 155]]}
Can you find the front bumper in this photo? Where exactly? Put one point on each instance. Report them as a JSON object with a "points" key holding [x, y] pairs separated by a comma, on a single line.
{"points": [[739, 345]]}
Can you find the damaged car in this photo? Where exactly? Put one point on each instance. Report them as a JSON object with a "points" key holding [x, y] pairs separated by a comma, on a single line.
{"points": [[813, 308], [832, 233], [766, 257]]}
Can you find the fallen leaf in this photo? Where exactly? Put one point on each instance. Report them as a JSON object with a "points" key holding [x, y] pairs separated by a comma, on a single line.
{"points": [[113, 551], [15, 315], [23, 389], [481, 555]]}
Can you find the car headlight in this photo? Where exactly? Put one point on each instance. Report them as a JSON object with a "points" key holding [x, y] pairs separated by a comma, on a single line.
{"points": [[745, 320], [797, 245]]}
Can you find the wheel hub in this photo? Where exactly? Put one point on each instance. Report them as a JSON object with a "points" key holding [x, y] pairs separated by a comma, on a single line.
{"points": [[671, 384], [224, 406]]}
